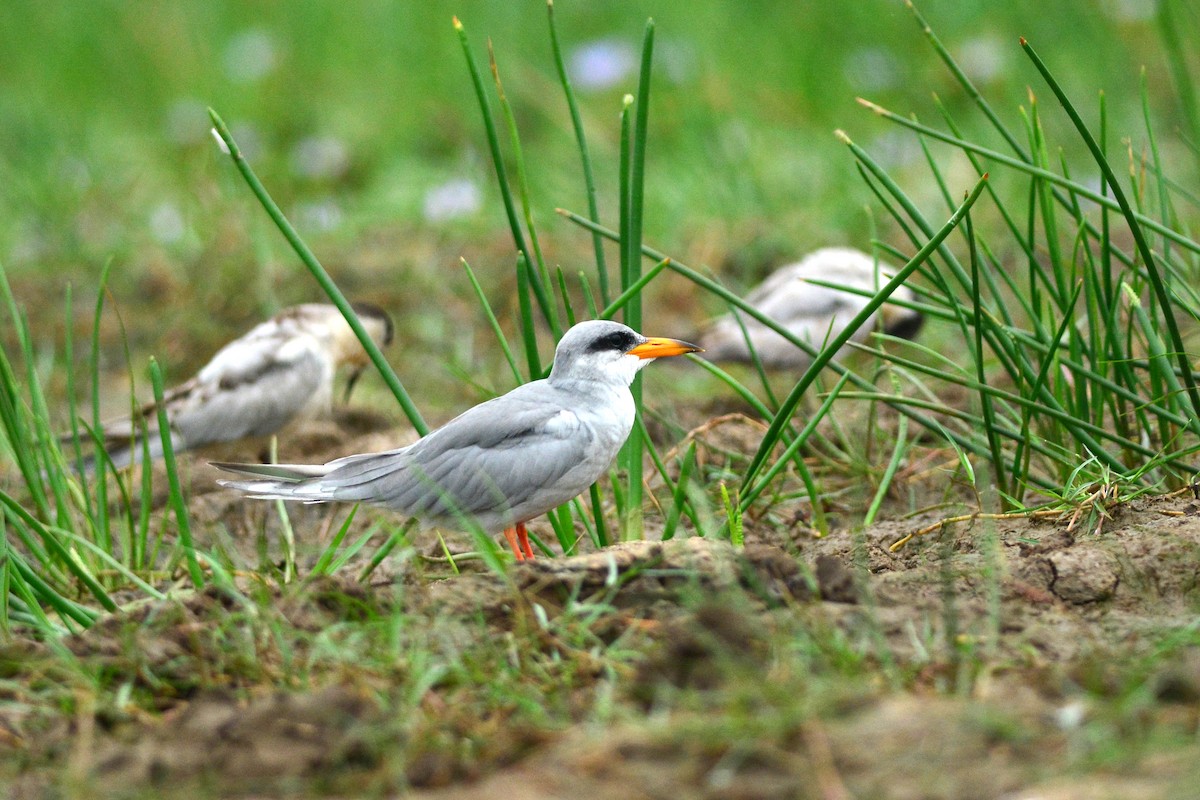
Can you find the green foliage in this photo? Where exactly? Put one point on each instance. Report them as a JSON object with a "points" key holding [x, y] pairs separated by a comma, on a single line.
{"points": [[1082, 357]]}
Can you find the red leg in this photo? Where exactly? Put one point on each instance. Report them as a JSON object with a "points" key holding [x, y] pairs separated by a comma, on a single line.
{"points": [[523, 536], [511, 535]]}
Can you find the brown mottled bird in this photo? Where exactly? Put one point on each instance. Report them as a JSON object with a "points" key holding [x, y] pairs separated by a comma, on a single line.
{"points": [[281, 370], [811, 313]]}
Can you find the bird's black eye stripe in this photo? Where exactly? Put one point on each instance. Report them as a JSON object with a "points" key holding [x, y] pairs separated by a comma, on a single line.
{"points": [[617, 340]]}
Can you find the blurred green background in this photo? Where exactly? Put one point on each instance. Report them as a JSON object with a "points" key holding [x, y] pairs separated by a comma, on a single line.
{"points": [[361, 120]]}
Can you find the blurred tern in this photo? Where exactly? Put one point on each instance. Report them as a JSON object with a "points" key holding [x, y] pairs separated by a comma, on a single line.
{"points": [[282, 370], [811, 313], [503, 462]]}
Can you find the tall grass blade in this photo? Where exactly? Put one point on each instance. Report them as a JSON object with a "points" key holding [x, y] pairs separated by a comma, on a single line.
{"points": [[63, 557], [632, 208], [510, 209], [528, 335], [492, 321], [751, 491], [633, 290], [985, 398], [35, 591], [602, 537], [178, 503], [1097, 197], [788, 406], [321, 567], [630, 456], [1151, 266], [686, 464], [899, 451], [397, 536], [584, 157], [1185, 89], [319, 274], [539, 277], [964, 81]]}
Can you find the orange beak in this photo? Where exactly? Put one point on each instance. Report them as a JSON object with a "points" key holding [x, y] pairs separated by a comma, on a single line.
{"points": [[655, 347]]}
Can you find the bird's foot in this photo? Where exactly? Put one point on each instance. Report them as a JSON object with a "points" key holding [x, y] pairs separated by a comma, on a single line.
{"points": [[511, 535], [523, 537]]}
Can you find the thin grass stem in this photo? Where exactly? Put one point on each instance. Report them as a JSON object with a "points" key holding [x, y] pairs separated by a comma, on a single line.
{"points": [[584, 157], [178, 503], [492, 321], [319, 274]]}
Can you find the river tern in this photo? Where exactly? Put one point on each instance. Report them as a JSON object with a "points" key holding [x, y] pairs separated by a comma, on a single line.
{"points": [[504, 461], [281, 370], [810, 312]]}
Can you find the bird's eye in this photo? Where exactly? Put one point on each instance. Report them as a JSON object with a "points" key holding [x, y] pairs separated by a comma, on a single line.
{"points": [[617, 340]]}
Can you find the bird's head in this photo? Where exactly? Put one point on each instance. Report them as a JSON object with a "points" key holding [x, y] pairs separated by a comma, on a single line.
{"points": [[609, 352], [348, 350], [901, 321]]}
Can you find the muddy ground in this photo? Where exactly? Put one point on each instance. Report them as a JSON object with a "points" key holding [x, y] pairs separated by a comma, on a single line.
{"points": [[1050, 656]]}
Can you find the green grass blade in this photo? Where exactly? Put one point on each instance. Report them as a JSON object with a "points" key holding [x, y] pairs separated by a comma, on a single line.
{"points": [[889, 474], [397, 536], [510, 208], [321, 567], [539, 277], [686, 464], [789, 405], [1135, 228], [1023, 166], [178, 503], [751, 490], [630, 455], [354, 548], [561, 278], [1177, 63], [109, 562], [492, 321], [528, 335], [989, 413], [632, 290], [319, 274], [40, 592], [61, 553], [602, 537], [964, 81], [589, 178]]}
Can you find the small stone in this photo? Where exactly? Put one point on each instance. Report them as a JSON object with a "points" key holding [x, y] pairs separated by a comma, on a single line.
{"points": [[1084, 574], [835, 581]]}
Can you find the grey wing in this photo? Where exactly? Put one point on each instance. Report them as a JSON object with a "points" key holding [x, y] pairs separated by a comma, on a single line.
{"points": [[506, 455], [252, 391]]}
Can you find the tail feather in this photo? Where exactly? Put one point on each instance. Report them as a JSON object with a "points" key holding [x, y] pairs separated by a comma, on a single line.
{"points": [[269, 490], [285, 473], [275, 481]]}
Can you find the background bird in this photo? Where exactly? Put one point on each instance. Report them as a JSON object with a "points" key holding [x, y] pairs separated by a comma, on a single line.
{"points": [[502, 462], [281, 370], [810, 312]]}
